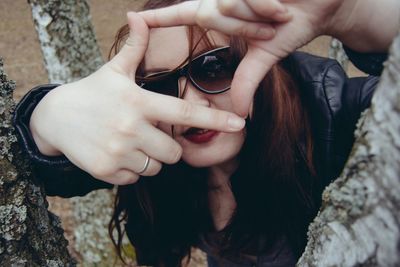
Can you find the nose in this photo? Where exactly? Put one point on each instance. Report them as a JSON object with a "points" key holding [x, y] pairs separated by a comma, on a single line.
{"points": [[191, 94]]}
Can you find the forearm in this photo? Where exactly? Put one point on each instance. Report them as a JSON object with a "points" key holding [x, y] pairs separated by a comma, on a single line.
{"points": [[369, 27]]}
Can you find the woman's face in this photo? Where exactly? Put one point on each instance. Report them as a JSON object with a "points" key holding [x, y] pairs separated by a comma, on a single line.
{"points": [[167, 49]]}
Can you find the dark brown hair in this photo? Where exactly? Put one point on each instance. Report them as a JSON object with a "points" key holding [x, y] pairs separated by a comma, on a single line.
{"points": [[274, 185]]}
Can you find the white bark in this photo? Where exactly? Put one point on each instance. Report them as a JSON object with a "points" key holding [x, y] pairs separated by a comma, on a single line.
{"points": [[71, 52], [359, 221], [336, 52], [29, 234], [66, 38]]}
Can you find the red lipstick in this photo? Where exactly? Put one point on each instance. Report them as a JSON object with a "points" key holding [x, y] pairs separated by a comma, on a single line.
{"points": [[199, 136]]}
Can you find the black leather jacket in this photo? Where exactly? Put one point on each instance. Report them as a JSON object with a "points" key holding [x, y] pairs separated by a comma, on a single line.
{"points": [[335, 103]]}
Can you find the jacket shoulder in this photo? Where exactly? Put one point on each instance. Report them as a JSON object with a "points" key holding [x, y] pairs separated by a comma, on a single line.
{"points": [[334, 104], [326, 86]]}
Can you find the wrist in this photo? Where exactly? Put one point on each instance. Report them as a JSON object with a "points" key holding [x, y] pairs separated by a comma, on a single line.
{"points": [[365, 25], [39, 128]]}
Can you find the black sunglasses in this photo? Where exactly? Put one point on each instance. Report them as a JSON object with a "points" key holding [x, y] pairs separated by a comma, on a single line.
{"points": [[210, 72]]}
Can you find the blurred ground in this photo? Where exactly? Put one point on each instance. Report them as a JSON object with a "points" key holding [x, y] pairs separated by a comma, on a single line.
{"points": [[23, 61]]}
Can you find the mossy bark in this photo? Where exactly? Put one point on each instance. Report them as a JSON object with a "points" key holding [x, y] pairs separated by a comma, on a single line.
{"points": [[337, 52], [29, 234], [71, 52], [67, 38], [359, 221]]}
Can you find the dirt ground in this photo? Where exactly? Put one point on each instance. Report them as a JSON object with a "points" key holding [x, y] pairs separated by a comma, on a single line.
{"points": [[20, 50]]}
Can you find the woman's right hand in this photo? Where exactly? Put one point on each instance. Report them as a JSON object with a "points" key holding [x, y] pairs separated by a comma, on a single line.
{"points": [[107, 125]]}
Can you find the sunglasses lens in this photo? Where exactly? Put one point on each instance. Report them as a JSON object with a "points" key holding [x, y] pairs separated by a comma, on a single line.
{"points": [[213, 72], [162, 85]]}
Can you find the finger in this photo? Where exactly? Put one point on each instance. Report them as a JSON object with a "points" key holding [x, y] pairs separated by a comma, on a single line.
{"points": [[250, 72], [132, 53], [122, 177], [232, 26], [267, 8], [240, 10], [158, 145], [180, 14], [176, 111], [136, 161], [208, 16]]}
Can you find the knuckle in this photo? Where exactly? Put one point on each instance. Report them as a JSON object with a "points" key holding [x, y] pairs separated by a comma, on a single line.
{"points": [[226, 7], [127, 178], [203, 18], [155, 168], [186, 111], [135, 98], [126, 126], [102, 169], [176, 154], [246, 30], [116, 148]]}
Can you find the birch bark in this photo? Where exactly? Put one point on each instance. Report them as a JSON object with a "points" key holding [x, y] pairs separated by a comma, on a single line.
{"points": [[359, 221], [70, 52], [337, 52], [29, 234]]}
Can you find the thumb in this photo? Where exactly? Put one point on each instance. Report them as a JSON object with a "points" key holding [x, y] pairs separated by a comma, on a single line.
{"points": [[250, 72], [132, 53]]}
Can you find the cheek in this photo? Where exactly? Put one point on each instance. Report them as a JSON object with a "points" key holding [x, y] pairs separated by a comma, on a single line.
{"points": [[166, 128]]}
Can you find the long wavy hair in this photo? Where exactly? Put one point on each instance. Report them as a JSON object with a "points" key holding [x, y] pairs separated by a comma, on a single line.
{"points": [[274, 185]]}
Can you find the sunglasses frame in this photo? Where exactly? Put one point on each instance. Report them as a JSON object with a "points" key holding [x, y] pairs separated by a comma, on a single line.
{"points": [[183, 71]]}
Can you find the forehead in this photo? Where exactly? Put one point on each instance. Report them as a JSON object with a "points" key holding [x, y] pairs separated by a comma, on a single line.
{"points": [[168, 47]]}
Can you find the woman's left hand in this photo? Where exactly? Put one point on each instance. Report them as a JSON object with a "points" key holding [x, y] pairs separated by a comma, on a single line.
{"points": [[273, 29]]}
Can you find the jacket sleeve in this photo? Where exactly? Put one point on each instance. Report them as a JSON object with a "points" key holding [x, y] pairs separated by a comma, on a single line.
{"points": [[59, 176], [371, 63]]}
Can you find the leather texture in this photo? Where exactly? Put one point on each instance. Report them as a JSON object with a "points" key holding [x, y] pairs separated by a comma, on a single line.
{"points": [[333, 100]]}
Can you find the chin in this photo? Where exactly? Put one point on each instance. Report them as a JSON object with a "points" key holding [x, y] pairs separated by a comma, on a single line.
{"points": [[210, 156], [222, 149], [205, 162]]}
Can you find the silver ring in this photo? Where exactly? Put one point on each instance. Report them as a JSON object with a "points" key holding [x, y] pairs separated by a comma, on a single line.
{"points": [[146, 165]]}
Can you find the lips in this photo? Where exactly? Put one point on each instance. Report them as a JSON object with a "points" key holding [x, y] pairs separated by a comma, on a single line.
{"points": [[199, 136]]}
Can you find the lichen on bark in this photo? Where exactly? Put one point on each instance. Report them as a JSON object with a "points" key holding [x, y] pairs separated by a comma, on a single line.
{"points": [[67, 39], [70, 52], [29, 234], [359, 221]]}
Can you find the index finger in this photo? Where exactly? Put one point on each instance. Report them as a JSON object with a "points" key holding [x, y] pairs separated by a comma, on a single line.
{"points": [[176, 15], [177, 111], [248, 75]]}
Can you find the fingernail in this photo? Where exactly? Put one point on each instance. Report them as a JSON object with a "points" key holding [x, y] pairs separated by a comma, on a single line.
{"points": [[130, 14], [236, 123], [266, 33]]}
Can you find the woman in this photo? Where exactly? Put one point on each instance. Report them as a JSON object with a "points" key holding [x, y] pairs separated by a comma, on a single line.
{"points": [[244, 195]]}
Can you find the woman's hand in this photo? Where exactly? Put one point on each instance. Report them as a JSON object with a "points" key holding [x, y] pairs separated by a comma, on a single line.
{"points": [[107, 125], [283, 26]]}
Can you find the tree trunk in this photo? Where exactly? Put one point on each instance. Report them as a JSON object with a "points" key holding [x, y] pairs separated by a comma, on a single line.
{"points": [[29, 234], [71, 52], [336, 52], [359, 221], [67, 38]]}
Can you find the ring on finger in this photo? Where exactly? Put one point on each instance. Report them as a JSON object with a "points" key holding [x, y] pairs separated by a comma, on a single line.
{"points": [[146, 165]]}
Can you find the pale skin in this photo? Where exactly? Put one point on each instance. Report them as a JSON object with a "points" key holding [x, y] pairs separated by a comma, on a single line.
{"points": [[363, 25], [106, 125]]}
